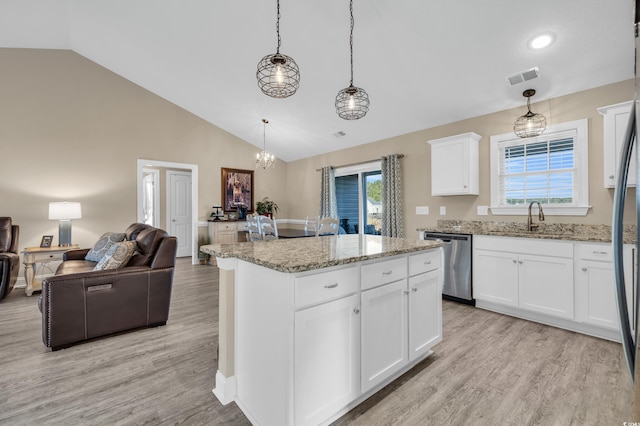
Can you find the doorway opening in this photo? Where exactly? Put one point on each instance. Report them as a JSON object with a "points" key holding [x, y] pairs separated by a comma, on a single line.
{"points": [[188, 231]]}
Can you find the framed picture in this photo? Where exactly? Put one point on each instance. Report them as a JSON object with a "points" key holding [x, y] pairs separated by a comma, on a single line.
{"points": [[237, 190], [46, 241]]}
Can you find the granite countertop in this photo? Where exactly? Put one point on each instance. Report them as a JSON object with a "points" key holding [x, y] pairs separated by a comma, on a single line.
{"points": [[306, 254], [550, 231]]}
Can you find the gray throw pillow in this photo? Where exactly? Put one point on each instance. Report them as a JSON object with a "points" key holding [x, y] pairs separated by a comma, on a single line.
{"points": [[102, 246], [117, 256]]}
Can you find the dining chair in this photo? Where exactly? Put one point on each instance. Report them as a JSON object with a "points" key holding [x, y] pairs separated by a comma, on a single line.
{"points": [[253, 229], [268, 228], [311, 224], [328, 226]]}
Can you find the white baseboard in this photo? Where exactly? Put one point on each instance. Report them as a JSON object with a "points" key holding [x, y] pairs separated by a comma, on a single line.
{"points": [[225, 389]]}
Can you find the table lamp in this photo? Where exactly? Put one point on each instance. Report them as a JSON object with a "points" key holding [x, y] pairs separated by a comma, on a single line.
{"points": [[64, 211]]}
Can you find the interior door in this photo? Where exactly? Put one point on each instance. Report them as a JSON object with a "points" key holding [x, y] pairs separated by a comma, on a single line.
{"points": [[179, 210]]}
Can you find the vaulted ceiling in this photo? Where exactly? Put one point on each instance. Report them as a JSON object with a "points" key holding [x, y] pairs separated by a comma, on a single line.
{"points": [[423, 63]]}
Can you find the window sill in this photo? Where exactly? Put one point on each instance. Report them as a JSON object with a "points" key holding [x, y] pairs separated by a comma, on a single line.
{"points": [[548, 211]]}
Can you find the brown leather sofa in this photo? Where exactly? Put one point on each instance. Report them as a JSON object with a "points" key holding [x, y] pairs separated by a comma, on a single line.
{"points": [[9, 258], [78, 303]]}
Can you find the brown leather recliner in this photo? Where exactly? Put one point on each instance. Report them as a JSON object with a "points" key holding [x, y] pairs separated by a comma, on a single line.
{"points": [[78, 303], [9, 258]]}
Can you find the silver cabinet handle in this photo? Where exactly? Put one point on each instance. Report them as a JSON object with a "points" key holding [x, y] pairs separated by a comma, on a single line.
{"points": [[428, 262], [599, 252], [387, 273], [584, 269], [356, 311], [611, 176], [334, 285], [520, 262], [406, 292], [414, 289], [515, 261]]}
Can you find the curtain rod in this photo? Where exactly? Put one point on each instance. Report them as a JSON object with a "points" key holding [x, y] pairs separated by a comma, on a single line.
{"points": [[358, 163]]}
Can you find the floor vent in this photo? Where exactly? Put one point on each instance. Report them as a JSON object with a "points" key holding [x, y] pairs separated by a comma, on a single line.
{"points": [[523, 76]]}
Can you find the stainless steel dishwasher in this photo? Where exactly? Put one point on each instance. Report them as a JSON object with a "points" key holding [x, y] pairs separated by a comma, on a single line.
{"points": [[457, 265]]}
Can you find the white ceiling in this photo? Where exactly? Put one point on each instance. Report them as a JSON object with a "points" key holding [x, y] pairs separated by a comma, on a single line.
{"points": [[423, 63]]}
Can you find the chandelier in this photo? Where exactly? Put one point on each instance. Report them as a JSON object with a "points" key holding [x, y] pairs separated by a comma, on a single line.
{"points": [[264, 158], [531, 124], [278, 75], [352, 103]]}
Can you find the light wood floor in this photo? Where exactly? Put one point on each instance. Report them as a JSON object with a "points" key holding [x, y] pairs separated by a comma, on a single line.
{"points": [[489, 370]]}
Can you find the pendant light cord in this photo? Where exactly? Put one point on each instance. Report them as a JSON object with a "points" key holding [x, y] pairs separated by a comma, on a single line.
{"points": [[351, 40], [278, 27]]}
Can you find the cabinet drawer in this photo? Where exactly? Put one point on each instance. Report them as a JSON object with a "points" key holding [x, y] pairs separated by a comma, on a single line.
{"points": [[602, 252], [319, 288], [226, 227], [424, 262], [386, 271], [242, 226]]}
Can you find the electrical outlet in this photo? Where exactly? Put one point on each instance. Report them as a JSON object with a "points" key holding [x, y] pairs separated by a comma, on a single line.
{"points": [[483, 210], [443, 210], [422, 209]]}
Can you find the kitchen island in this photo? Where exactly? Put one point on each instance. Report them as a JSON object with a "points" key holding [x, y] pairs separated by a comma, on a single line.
{"points": [[311, 327]]}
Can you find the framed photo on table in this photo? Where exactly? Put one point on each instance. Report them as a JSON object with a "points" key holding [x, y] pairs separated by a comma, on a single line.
{"points": [[46, 241], [237, 190]]}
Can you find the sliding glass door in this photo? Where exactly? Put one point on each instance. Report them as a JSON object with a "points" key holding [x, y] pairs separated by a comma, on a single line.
{"points": [[359, 197]]}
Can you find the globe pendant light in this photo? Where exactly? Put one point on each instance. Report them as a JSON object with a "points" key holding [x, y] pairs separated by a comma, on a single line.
{"points": [[265, 159], [352, 103], [278, 75], [531, 124]]}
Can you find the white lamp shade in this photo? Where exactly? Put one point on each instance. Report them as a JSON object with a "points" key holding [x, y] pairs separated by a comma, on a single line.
{"points": [[64, 210]]}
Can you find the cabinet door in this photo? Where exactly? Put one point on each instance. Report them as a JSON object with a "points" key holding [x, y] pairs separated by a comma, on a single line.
{"points": [[384, 332], [227, 237], [615, 122], [495, 277], [595, 294], [327, 359], [546, 285], [425, 313], [449, 171]]}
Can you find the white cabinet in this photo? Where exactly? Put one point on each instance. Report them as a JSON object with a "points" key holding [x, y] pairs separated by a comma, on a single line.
{"points": [[384, 332], [595, 284], [495, 276], [455, 165], [327, 359], [401, 320], [546, 285], [225, 232], [536, 275], [615, 119], [425, 313]]}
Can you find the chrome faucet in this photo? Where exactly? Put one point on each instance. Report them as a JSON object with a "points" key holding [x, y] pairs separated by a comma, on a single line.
{"points": [[530, 225]]}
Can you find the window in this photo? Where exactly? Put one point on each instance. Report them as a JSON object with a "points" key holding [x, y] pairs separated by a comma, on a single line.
{"points": [[358, 193], [551, 169]]}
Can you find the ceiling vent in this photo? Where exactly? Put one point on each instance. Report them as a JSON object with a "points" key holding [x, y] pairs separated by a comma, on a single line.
{"points": [[339, 134], [523, 76]]}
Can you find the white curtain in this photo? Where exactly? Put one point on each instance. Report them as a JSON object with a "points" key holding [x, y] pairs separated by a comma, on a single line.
{"points": [[328, 201], [392, 212]]}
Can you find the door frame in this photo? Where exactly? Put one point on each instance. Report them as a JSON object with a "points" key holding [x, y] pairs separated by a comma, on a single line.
{"points": [[144, 163], [156, 195]]}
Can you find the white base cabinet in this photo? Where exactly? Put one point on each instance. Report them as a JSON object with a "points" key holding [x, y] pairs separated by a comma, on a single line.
{"points": [[562, 283], [311, 346]]}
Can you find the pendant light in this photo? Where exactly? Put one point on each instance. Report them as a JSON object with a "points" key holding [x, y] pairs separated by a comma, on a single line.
{"points": [[265, 159], [352, 103], [531, 124], [278, 75]]}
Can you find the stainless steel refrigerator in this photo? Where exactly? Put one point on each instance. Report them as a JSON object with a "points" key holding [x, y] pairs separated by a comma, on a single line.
{"points": [[630, 343]]}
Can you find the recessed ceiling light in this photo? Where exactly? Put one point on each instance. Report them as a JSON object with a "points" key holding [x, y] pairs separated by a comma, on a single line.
{"points": [[541, 41]]}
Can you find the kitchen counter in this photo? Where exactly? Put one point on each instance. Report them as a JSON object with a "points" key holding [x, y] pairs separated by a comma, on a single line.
{"points": [[306, 254], [550, 231]]}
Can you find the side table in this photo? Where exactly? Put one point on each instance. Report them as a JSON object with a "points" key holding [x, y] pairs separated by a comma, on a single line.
{"points": [[33, 255]]}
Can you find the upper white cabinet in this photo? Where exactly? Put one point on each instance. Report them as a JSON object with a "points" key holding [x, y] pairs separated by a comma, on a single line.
{"points": [[455, 165], [615, 118]]}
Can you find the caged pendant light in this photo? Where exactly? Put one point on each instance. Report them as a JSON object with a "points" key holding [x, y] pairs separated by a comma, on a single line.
{"points": [[265, 159], [531, 124], [278, 75], [352, 103]]}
